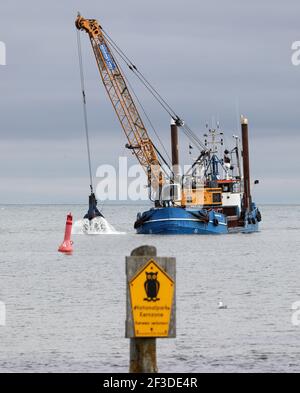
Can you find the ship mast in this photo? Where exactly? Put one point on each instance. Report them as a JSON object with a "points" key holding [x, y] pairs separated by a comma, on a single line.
{"points": [[213, 138]]}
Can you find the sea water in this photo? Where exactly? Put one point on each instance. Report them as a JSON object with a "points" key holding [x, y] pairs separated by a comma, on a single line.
{"points": [[96, 226], [67, 312]]}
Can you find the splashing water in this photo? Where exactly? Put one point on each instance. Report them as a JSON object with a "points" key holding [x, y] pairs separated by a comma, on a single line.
{"points": [[97, 226]]}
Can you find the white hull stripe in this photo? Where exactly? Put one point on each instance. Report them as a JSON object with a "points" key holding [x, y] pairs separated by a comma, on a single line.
{"points": [[180, 219]]}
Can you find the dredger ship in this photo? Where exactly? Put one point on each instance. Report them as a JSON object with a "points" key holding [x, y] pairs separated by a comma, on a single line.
{"points": [[214, 195], [215, 198]]}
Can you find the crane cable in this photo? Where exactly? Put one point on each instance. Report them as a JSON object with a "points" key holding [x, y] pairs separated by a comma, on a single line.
{"points": [[148, 118], [193, 137], [84, 108], [186, 129], [141, 77]]}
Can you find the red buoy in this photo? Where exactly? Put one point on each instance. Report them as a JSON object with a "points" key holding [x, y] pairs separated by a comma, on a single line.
{"points": [[67, 245]]}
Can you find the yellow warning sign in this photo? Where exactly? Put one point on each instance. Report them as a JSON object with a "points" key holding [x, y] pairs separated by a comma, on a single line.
{"points": [[151, 294]]}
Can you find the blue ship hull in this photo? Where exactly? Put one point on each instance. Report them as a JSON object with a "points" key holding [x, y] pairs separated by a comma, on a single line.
{"points": [[177, 221]]}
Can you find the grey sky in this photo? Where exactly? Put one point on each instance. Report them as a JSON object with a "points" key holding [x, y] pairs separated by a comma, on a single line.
{"points": [[204, 57]]}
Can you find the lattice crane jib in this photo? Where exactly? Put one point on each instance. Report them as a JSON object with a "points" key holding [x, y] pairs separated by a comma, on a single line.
{"points": [[122, 101]]}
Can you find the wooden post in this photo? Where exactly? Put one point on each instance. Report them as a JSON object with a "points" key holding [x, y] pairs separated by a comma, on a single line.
{"points": [[143, 355], [143, 349]]}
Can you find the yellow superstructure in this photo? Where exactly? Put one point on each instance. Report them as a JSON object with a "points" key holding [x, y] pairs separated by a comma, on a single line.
{"points": [[202, 197]]}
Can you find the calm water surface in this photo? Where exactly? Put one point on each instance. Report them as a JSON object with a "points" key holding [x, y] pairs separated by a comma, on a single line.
{"points": [[67, 313]]}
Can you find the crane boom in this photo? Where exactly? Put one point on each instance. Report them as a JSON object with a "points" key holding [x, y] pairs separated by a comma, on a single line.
{"points": [[122, 101]]}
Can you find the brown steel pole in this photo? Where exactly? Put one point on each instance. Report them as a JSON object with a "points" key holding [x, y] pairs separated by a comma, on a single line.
{"points": [[246, 163], [175, 149]]}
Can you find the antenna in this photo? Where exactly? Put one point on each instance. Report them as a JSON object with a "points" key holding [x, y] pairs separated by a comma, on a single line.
{"points": [[237, 112]]}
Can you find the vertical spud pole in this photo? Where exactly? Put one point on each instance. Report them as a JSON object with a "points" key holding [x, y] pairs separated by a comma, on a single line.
{"points": [[246, 164], [144, 323]]}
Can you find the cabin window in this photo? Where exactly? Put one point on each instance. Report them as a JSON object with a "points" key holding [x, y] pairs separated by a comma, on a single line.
{"points": [[236, 187], [227, 187], [217, 197]]}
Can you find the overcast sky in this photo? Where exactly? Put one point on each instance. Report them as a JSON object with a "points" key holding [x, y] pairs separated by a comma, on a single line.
{"points": [[210, 59]]}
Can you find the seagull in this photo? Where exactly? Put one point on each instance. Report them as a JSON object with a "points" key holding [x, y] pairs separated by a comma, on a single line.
{"points": [[222, 306]]}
